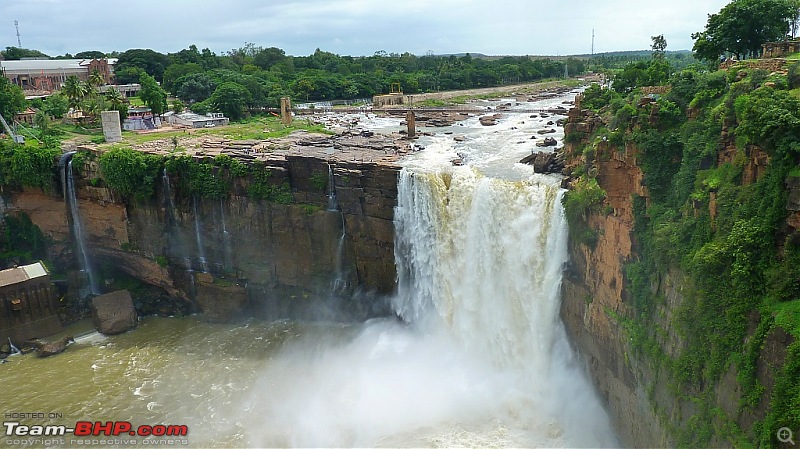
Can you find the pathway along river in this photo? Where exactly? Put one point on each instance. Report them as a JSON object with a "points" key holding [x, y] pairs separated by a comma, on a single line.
{"points": [[484, 360]]}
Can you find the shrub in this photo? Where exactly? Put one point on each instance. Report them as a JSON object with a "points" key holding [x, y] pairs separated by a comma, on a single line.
{"points": [[130, 172]]}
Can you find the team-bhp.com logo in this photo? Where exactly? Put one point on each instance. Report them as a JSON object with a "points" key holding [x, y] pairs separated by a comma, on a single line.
{"points": [[97, 428]]}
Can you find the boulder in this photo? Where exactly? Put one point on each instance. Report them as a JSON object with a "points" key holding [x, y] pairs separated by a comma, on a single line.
{"points": [[113, 313], [545, 162], [547, 142]]}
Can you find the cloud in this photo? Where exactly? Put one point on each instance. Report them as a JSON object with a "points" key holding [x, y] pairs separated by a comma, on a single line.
{"points": [[354, 27]]}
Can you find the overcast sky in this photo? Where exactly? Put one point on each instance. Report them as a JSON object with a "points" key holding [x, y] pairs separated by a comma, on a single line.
{"points": [[354, 27]]}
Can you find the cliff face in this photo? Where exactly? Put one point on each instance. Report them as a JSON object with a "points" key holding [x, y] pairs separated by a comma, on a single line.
{"points": [[264, 259], [597, 305]]}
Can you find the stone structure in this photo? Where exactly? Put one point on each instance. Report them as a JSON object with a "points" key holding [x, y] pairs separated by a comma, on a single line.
{"points": [[286, 111], [111, 126], [780, 49], [27, 304], [411, 123], [394, 99]]}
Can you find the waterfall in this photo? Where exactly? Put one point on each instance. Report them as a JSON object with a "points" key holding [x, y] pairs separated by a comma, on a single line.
{"points": [[187, 261], [483, 257], [226, 238], [71, 198], [339, 284], [198, 236], [332, 202]]}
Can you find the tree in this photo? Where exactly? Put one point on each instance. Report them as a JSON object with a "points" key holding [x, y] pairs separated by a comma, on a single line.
{"points": [[742, 26], [16, 53], [659, 46], [92, 54], [268, 57], [152, 94], [75, 90], [194, 87], [12, 99], [230, 99], [116, 101], [178, 106], [151, 62], [56, 105], [96, 79]]}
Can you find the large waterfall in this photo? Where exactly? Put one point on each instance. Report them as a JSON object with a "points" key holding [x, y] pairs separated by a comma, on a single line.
{"points": [[479, 357], [482, 257]]}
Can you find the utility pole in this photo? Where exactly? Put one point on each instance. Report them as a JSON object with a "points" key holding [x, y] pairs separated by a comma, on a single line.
{"points": [[19, 42]]}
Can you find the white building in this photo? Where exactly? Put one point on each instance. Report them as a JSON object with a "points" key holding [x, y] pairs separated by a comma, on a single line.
{"points": [[192, 120]]}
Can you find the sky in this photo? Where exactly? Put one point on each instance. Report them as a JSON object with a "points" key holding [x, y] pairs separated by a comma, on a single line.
{"points": [[354, 27]]}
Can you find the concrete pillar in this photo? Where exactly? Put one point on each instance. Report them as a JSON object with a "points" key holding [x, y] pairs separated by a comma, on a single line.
{"points": [[411, 121], [286, 111], [111, 127]]}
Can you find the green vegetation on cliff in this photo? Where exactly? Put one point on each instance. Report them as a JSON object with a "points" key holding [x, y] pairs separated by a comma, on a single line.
{"points": [[718, 220]]}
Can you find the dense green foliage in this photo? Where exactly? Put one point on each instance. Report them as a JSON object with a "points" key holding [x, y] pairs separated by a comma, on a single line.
{"points": [[29, 165], [22, 241], [215, 178], [152, 94], [130, 172], [16, 53], [739, 262], [267, 74], [12, 99], [742, 26]]}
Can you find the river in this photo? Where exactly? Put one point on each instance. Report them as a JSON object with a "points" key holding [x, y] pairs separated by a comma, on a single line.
{"points": [[480, 357]]}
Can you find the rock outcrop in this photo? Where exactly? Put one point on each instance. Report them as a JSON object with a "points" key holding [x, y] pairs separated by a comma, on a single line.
{"points": [[113, 313], [545, 162]]}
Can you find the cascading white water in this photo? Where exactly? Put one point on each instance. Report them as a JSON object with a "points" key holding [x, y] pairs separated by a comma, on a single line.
{"points": [[484, 256], [332, 202], [227, 246], [198, 236], [483, 359], [187, 261], [71, 197], [339, 283]]}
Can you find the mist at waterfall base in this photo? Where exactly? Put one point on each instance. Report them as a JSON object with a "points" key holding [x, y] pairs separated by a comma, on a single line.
{"points": [[484, 361]]}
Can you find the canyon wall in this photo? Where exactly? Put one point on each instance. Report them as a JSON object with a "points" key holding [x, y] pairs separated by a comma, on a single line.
{"points": [[236, 255], [597, 308]]}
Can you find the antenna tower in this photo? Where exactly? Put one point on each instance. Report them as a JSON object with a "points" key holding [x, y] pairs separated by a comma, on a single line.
{"points": [[19, 42], [592, 42]]}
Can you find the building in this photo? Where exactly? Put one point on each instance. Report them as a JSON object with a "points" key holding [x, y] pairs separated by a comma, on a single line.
{"points": [[192, 120], [127, 90], [47, 75], [780, 49], [140, 119], [28, 307]]}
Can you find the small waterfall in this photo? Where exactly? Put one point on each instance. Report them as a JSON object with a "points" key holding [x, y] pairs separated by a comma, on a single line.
{"points": [[187, 261], [226, 238], [339, 284], [333, 204], [198, 236], [71, 197]]}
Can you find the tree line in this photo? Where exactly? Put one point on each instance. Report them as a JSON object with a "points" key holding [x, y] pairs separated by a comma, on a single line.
{"points": [[256, 77]]}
